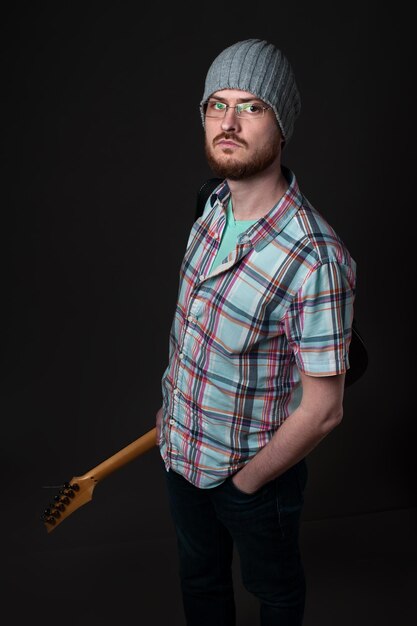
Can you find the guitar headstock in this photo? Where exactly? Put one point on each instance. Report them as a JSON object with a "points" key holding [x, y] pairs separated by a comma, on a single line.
{"points": [[71, 497], [79, 490]]}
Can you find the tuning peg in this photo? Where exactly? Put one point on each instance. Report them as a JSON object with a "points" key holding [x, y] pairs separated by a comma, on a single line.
{"points": [[75, 486], [67, 492], [48, 517]]}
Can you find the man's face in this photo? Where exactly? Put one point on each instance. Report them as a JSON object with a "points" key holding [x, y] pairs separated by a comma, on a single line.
{"points": [[238, 147]]}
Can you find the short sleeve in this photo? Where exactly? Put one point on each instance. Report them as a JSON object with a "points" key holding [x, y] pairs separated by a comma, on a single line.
{"points": [[318, 324]]}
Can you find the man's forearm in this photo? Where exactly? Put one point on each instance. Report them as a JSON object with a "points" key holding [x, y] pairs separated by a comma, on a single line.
{"points": [[298, 436]]}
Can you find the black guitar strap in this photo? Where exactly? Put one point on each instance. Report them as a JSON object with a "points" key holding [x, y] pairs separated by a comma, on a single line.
{"points": [[358, 353]]}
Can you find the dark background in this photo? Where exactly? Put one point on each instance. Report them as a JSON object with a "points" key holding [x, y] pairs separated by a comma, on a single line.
{"points": [[102, 156]]}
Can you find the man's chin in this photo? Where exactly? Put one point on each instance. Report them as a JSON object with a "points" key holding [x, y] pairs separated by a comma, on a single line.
{"points": [[227, 168]]}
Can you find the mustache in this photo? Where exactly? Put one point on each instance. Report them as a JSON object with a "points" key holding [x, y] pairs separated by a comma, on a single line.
{"points": [[230, 136]]}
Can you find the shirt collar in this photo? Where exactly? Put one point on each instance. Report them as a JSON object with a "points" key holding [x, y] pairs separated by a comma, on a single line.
{"points": [[270, 225]]}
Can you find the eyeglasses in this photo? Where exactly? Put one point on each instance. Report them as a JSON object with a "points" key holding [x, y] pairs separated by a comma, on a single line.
{"points": [[244, 110]]}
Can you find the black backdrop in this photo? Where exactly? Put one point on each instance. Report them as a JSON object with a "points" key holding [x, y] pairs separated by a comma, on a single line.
{"points": [[101, 160]]}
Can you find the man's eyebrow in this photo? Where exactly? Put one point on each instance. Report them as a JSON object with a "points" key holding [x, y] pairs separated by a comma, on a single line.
{"points": [[239, 100]]}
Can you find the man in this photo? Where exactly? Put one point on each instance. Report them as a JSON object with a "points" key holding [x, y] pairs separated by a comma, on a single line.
{"points": [[258, 350]]}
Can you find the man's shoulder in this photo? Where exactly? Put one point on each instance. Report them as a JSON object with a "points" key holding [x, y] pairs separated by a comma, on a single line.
{"points": [[313, 230]]}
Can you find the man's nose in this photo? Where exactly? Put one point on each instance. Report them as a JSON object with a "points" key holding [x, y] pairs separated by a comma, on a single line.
{"points": [[230, 120]]}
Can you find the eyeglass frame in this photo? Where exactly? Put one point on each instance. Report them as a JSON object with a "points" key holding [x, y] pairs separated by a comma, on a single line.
{"points": [[204, 105]]}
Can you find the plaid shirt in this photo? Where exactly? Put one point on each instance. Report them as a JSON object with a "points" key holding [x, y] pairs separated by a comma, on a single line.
{"points": [[280, 303]]}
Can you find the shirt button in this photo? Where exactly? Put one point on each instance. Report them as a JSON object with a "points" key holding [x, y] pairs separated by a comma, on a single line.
{"points": [[202, 277], [176, 391], [216, 235], [172, 422], [180, 356]]}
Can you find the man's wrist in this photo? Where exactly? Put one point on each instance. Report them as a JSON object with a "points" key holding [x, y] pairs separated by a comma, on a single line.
{"points": [[242, 483]]}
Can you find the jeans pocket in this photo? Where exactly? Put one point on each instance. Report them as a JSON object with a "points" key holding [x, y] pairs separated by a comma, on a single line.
{"points": [[244, 508]]}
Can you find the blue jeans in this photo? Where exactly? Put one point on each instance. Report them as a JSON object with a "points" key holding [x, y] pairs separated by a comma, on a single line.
{"points": [[265, 529]]}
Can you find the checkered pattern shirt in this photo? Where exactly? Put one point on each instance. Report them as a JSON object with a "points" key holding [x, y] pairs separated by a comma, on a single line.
{"points": [[279, 304]]}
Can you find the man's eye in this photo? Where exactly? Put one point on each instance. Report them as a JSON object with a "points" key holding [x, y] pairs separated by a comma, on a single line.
{"points": [[218, 106], [251, 108]]}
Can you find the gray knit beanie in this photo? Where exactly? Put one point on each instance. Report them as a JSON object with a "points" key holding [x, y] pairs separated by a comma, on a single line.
{"points": [[258, 67]]}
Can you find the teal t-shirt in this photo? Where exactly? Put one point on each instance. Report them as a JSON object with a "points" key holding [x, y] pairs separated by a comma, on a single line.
{"points": [[230, 234]]}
